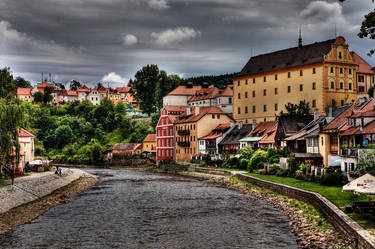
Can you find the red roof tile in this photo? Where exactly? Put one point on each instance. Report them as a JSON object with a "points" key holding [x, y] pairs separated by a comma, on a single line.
{"points": [[45, 84], [102, 90], [84, 89], [369, 128], [130, 98], [150, 138], [202, 111], [123, 89], [263, 128], [71, 93], [24, 91], [184, 90], [363, 66], [217, 132], [24, 133]]}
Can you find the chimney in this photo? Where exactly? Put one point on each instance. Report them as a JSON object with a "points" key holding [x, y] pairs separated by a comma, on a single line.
{"points": [[240, 125], [196, 110], [316, 115], [188, 112], [254, 123], [330, 112], [231, 123]]}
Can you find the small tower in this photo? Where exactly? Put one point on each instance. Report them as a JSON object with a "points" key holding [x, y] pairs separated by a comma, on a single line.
{"points": [[300, 38]]}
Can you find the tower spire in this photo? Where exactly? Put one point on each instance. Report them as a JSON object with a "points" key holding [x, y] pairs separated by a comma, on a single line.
{"points": [[300, 38]]}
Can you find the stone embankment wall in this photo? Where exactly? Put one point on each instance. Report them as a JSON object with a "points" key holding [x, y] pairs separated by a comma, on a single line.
{"points": [[334, 215], [30, 188]]}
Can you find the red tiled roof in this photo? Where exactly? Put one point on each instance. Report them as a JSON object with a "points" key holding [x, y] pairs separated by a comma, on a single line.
{"points": [[184, 90], [172, 109], [71, 93], [210, 93], [369, 128], [24, 91], [217, 132], [363, 66], [202, 111], [263, 128], [150, 138], [24, 133], [102, 90], [227, 92], [84, 89], [269, 137], [130, 98], [44, 84], [123, 89], [339, 120]]}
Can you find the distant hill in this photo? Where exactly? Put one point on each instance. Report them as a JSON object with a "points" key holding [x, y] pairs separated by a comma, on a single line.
{"points": [[216, 80]]}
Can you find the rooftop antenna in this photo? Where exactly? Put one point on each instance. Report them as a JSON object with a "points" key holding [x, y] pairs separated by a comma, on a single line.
{"points": [[252, 52], [335, 30], [42, 78], [300, 38], [49, 74]]}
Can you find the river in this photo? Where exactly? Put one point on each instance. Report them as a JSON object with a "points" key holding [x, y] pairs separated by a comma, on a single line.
{"points": [[139, 209]]}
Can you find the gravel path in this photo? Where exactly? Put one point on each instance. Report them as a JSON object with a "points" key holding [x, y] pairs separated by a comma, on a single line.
{"points": [[35, 186]]}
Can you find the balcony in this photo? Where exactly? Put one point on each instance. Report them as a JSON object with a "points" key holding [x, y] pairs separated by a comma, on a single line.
{"points": [[183, 143], [183, 132], [352, 152]]}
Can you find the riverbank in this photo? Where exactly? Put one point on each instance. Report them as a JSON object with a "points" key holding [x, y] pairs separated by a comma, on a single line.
{"points": [[27, 212], [307, 222]]}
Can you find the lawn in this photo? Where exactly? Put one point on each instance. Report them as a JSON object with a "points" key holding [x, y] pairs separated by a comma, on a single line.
{"points": [[332, 193], [222, 169]]}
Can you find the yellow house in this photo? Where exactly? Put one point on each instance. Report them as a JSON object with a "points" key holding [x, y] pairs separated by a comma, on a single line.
{"points": [[149, 143], [25, 94], [322, 73], [196, 123]]}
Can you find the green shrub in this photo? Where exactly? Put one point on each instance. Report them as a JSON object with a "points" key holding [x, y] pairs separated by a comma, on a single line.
{"points": [[292, 164], [282, 173], [243, 164], [273, 155], [335, 178], [232, 162], [274, 169], [303, 167], [246, 152], [207, 160], [218, 162], [257, 160]]}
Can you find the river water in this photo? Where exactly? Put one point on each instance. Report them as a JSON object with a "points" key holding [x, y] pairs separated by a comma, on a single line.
{"points": [[137, 209]]}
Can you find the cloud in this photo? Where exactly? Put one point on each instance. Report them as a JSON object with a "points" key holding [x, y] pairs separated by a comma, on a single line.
{"points": [[158, 4], [175, 35], [114, 78], [130, 39], [9, 35], [321, 11]]}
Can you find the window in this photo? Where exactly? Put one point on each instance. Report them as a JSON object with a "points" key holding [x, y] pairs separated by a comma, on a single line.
{"points": [[289, 89], [245, 82], [230, 100], [331, 69], [361, 78], [245, 95], [264, 92], [253, 80], [361, 89], [253, 93], [342, 102], [276, 107], [340, 55], [217, 116], [246, 109], [332, 85], [300, 87], [314, 70], [350, 86], [239, 110], [322, 141], [313, 85], [341, 85], [239, 95], [213, 116], [264, 78], [275, 76], [350, 71], [288, 74], [239, 83], [254, 108], [276, 91], [300, 73], [264, 108], [314, 103], [341, 70]]}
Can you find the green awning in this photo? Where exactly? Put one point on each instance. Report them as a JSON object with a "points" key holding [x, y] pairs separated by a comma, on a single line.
{"points": [[251, 139]]}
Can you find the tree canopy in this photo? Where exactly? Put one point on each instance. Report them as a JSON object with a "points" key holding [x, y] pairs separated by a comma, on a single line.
{"points": [[21, 82], [74, 85], [303, 108]]}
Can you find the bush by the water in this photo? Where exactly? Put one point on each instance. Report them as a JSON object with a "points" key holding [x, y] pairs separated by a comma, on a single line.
{"points": [[232, 162], [257, 160], [243, 164], [274, 168], [333, 178]]}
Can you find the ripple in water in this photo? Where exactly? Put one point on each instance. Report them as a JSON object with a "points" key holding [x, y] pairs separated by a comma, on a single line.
{"points": [[135, 209]]}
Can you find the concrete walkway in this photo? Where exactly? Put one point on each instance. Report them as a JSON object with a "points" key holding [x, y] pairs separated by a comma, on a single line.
{"points": [[35, 186]]}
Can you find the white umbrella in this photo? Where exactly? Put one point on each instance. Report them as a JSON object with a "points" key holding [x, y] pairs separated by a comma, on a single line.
{"points": [[358, 183], [368, 189]]}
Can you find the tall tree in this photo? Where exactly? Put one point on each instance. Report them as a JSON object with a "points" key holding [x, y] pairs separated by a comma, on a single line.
{"points": [[8, 88], [74, 85], [21, 82], [47, 95]]}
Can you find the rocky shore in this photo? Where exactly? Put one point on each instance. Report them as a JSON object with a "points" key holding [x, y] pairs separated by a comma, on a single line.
{"points": [[60, 190], [306, 221]]}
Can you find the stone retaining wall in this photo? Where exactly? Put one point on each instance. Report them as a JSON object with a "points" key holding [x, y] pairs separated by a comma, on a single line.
{"points": [[30, 188], [334, 215], [210, 171]]}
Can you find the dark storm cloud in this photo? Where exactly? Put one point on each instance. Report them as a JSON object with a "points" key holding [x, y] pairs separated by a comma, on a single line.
{"points": [[88, 39]]}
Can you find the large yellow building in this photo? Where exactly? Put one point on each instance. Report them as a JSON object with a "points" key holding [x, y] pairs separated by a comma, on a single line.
{"points": [[198, 122], [322, 73]]}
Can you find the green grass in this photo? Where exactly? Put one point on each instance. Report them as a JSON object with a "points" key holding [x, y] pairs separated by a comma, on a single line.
{"points": [[332, 193], [223, 169]]}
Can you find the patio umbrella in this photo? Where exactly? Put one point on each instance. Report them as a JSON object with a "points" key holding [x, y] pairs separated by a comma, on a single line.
{"points": [[368, 189], [358, 183]]}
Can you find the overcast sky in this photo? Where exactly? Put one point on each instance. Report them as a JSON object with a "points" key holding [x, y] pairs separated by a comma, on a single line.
{"points": [[109, 40]]}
